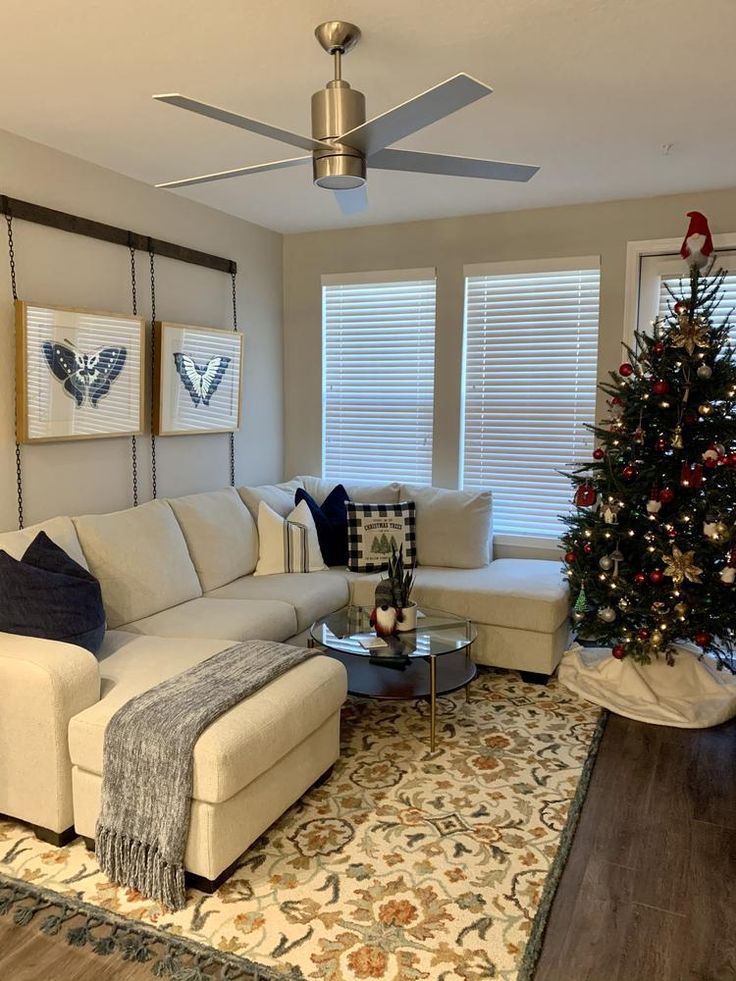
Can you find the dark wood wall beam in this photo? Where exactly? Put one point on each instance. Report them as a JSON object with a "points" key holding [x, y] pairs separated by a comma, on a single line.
{"points": [[25, 211]]}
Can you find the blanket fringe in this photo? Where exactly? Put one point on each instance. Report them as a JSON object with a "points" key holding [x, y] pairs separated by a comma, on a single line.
{"points": [[140, 865]]}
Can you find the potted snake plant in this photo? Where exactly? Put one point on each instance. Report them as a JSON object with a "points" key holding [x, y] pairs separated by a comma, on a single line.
{"points": [[395, 589]]}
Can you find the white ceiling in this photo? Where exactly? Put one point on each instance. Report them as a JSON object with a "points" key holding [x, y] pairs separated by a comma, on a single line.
{"points": [[588, 89]]}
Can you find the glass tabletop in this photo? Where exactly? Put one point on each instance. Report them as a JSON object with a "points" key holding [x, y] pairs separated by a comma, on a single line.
{"points": [[349, 631]]}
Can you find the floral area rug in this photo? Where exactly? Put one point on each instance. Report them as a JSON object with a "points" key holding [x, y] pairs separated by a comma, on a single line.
{"points": [[404, 865]]}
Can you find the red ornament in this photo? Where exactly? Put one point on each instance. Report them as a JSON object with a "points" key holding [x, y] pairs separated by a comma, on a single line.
{"points": [[680, 307], [666, 495], [585, 496], [618, 652], [587, 548], [643, 634], [617, 400], [629, 472], [691, 475], [640, 578], [662, 444], [570, 557], [626, 370], [661, 387], [702, 638], [656, 576], [598, 453], [672, 532], [658, 348]]}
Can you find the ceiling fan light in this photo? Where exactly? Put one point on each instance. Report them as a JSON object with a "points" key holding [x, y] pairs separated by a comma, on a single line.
{"points": [[340, 182], [338, 171]]}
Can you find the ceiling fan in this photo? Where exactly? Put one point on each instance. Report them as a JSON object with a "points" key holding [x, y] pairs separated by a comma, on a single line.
{"points": [[343, 144]]}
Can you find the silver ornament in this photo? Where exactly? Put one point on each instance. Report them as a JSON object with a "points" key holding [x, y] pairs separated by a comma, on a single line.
{"points": [[606, 563], [607, 614], [704, 371]]}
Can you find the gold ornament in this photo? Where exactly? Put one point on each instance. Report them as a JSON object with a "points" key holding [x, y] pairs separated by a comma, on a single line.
{"points": [[657, 638], [677, 443], [705, 409], [681, 566], [682, 609], [690, 334]]}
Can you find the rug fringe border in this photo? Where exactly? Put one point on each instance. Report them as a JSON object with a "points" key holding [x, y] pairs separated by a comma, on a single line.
{"points": [[533, 949], [132, 941]]}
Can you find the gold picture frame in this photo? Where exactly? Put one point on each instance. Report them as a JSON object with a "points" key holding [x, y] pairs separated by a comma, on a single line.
{"points": [[197, 379], [79, 373]]}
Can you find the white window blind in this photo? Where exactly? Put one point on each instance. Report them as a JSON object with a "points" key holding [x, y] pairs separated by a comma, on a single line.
{"points": [[658, 272], [378, 376], [531, 347]]}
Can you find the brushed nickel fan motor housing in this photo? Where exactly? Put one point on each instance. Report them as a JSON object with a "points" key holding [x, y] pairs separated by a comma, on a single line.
{"points": [[336, 109]]}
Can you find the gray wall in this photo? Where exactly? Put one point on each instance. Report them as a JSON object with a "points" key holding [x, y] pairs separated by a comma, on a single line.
{"points": [[59, 268], [448, 244]]}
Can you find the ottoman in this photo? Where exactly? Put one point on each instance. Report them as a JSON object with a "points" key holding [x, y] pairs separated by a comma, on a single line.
{"points": [[250, 765]]}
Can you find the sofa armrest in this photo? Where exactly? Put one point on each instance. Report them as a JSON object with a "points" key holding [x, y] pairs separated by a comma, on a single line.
{"points": [[43, 683]]}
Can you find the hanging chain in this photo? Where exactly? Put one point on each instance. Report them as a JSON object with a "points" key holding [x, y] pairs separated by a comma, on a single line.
{"points": [[14, 288], [153, 365], [133, 439], [235, 327]]}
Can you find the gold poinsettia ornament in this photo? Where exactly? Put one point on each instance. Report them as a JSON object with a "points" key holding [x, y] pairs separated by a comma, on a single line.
{"points": [[681, 566], [690, 333]]}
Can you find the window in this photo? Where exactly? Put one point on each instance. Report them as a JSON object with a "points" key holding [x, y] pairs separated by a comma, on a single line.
{"points": [[659, 271], [531, 347], [378, 376]]}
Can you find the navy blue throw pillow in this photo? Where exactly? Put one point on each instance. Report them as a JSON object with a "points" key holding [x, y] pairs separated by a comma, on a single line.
{"points": [[47, 594], [331, 522]]}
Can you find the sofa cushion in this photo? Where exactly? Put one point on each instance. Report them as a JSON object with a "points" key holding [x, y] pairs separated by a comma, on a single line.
{"points": [[523, 593], [240, 745], [141, 560], [279, 497], [60, 530], [453, 527], [220, 534], [312, 595], [47, 594], [368, 492], [235, 619]]}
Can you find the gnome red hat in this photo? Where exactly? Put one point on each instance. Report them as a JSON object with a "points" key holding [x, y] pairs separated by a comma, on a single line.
{"points": [[697, 246]]}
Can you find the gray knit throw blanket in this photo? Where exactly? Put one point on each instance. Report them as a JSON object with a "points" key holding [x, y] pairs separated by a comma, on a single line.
{"points": [[147, 764]]}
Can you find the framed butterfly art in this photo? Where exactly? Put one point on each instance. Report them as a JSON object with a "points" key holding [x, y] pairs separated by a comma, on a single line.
{"points": [[79, 373], [197, 380]]}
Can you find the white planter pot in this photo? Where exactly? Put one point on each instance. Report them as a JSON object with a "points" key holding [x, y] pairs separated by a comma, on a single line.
{"points": [[409, 621]]}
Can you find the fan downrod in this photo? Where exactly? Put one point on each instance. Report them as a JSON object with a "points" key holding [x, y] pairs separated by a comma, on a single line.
{"points": [[337, 36]]}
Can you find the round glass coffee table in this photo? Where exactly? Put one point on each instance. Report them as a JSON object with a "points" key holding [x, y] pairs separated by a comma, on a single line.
{"points": [[432, 660]]}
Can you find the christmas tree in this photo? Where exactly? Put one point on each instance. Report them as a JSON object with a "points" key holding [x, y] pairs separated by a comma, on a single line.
{"points": [[651, 547]]}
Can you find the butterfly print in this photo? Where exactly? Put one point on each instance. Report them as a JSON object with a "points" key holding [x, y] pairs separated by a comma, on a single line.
{"points": [[84, 375], [201, 383]]}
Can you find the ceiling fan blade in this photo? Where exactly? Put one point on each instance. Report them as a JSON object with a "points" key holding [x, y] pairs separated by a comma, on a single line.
{"points": [[440, 163], [351, 202], [238, 172], [242, 122], [434, 104]]}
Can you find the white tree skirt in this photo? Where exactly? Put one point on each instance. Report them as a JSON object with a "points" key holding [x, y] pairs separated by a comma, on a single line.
{"points": [[691, 695]]}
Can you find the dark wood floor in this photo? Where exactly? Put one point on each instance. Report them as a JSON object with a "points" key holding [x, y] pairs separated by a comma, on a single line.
{"points": [[648, 894]]}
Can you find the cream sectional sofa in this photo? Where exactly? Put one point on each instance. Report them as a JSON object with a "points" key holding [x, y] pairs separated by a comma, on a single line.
{"points": [[177, 585]]}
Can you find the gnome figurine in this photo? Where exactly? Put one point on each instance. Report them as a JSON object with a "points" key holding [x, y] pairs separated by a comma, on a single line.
{"points": [[385, 618], [697, 246]]}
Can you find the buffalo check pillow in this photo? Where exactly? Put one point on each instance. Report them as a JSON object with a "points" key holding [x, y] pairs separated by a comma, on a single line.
{"points": [[374, 528]]}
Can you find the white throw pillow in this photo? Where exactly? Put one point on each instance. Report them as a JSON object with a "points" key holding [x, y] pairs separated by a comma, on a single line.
{"points": [[453, 527], [287, 544]]}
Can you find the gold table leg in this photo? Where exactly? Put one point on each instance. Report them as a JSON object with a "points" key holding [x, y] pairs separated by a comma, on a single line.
{"points": [[433, 701]]}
